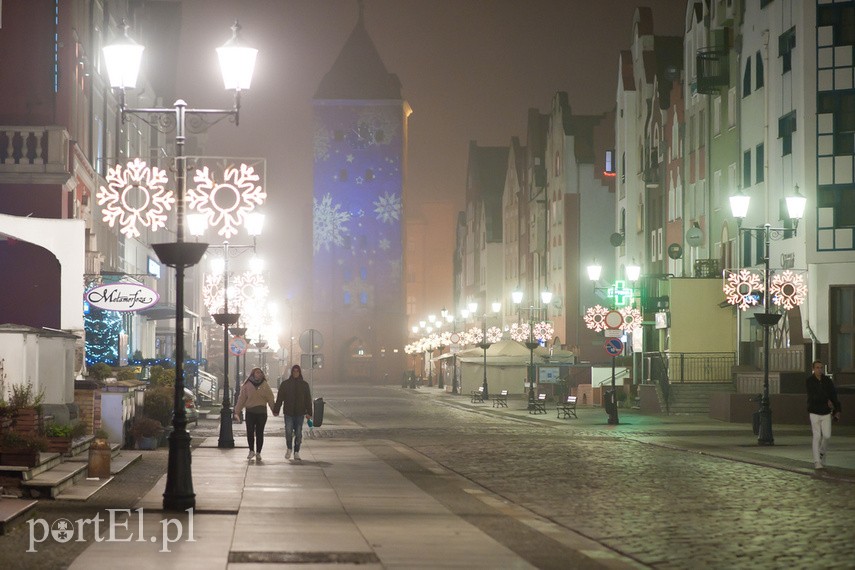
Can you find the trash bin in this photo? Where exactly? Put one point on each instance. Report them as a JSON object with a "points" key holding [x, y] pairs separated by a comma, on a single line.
{"points": [[100, 455], [318, 414], [755, 422]]}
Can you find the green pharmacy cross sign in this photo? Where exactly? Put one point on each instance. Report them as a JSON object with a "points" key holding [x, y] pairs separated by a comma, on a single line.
{"points": [[621, 294]]}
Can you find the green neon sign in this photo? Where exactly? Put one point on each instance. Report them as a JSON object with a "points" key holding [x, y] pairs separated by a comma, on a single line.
{"points": [[621, 294]]}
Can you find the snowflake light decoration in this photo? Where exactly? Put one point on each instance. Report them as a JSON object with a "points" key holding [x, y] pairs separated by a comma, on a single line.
{"points": [[595, 318], [388, 208], [738, 287], [329, 223], [228, 202], [788, 289], [475, 335], [494, 335], [631, 319], [519, 332], [543, 331], [246, 287], [135, 196], [445, 338]]}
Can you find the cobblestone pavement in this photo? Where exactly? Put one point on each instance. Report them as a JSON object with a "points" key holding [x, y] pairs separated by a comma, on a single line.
{"points": [[662, 507]]}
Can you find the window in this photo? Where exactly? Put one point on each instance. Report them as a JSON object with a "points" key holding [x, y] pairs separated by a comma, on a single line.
{"points": [[746, 169], [746, 78], [842, 106], [842, 316], [786, 45], [363, 298], [842, 18], [717, 189], [347, 297], [731, 107], [610, 161], [623, 167], [786, 128], [557, 164], [758, 80], [716, 115], [759, 159]]}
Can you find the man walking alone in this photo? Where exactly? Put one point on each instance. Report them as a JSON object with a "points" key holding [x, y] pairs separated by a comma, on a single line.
{"points": [[295, 399], [823, 404]]}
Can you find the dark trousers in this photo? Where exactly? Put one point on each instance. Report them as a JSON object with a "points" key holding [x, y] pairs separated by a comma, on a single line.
{"points": [[255, 430]]}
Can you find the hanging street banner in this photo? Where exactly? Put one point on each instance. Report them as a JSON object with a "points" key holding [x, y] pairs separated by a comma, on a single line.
{"points": [[122, 297]]}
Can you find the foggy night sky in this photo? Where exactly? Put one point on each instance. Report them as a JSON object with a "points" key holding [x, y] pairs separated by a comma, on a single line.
{"points": [[470, 69]]}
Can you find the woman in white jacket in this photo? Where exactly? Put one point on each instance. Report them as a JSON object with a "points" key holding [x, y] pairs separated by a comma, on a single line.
{"points": [[255, 397]]}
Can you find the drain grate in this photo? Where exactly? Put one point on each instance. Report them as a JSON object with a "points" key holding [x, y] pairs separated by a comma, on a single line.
{"points": [[304, 557]]}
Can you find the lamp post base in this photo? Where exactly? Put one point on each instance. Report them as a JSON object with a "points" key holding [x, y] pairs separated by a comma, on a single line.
{"points": [[227, 439], [179, 495], [764, 436]]}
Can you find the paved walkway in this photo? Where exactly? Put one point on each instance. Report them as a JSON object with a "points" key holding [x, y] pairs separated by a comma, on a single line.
{"points": [[341, 506], [690, 432]]}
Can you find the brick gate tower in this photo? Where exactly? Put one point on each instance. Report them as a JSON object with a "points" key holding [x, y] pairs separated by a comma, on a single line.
{"points": [[360, 152]]}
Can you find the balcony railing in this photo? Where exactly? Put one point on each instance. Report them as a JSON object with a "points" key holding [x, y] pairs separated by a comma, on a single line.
{"points": [[712, 70], [33, 150]]}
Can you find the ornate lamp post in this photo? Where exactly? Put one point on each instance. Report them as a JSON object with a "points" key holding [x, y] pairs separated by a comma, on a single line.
{"points": [[786, 290], [122, 59], [532, 342], [198, 225]]}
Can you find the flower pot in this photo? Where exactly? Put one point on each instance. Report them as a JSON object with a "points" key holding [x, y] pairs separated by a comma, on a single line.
{"points": [[147, 443]]}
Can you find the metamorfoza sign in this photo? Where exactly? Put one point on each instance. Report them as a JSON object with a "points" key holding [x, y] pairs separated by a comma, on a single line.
{"points": [[123, 297]]}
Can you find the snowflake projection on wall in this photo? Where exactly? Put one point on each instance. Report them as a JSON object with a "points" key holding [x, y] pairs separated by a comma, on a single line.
{"points": [[788, 289], [329, 223], [543, 331], [135, 196], [738, 288], [228, 202], [494, 335], [322, 140], [519, 332], [631, 319], [388, 208], [595, 318]]}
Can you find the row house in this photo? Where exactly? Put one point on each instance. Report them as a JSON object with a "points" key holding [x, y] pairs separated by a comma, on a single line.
{"points": [[60, 131], [759, 104]]}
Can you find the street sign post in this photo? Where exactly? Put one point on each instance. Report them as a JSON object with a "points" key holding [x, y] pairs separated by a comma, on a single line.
{"points": [[614, 347]]}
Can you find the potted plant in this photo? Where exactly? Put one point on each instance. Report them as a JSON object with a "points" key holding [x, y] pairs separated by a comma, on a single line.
{"points": [[25, 406], [146, 432], [61, 436], [21, 449]]}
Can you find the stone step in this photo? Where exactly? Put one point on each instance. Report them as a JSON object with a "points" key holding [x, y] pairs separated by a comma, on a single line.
{"points": [[11, 509], [50, 483], [86, 487], [47, 461]]}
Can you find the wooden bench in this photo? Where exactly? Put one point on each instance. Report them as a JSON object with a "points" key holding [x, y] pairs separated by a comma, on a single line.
{"points": [[567, 408], [539, 405], [478, 396], [500, 400]]}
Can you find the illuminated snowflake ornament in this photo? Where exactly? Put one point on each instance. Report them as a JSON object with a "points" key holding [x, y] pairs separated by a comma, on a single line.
{"points": [[595, 318], [388, 208], [494, 335], [445, 338], [226, 203], [631, 319], [135, 196], [475, 335], [788, 289], [543, 331], [519, 332], [738, 288], [328, 223]]}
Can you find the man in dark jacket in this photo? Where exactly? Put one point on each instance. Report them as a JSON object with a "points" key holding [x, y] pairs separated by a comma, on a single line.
{"points": [[296, 399], [823, 404]]}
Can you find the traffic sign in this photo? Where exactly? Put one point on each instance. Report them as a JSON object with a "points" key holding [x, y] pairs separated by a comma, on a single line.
{"points": [[614, 346], [613, 333], [238, 345], [311, 341], [613, 320], [455, 338]]}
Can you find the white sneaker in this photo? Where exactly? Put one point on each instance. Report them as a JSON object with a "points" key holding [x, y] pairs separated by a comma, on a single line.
{"points": [[297, 456], [258, 457], [818, 466], [251, 455], [288, 454]]}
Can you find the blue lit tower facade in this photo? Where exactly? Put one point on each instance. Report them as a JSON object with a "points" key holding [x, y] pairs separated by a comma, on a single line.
{"points": [[360, 149]]}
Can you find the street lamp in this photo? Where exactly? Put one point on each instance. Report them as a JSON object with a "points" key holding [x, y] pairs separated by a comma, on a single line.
{"points": [[741, 285], [486, 341], [198, 225], [532, 342], [122, 59]]}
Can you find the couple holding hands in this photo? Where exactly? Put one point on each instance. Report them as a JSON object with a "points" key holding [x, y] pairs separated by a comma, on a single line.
{"points": [[294, 399]]}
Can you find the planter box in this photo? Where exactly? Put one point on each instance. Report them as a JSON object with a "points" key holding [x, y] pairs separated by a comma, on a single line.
{"points": [[27, 421], [147, 443], [19, 457], [59, 444]]}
